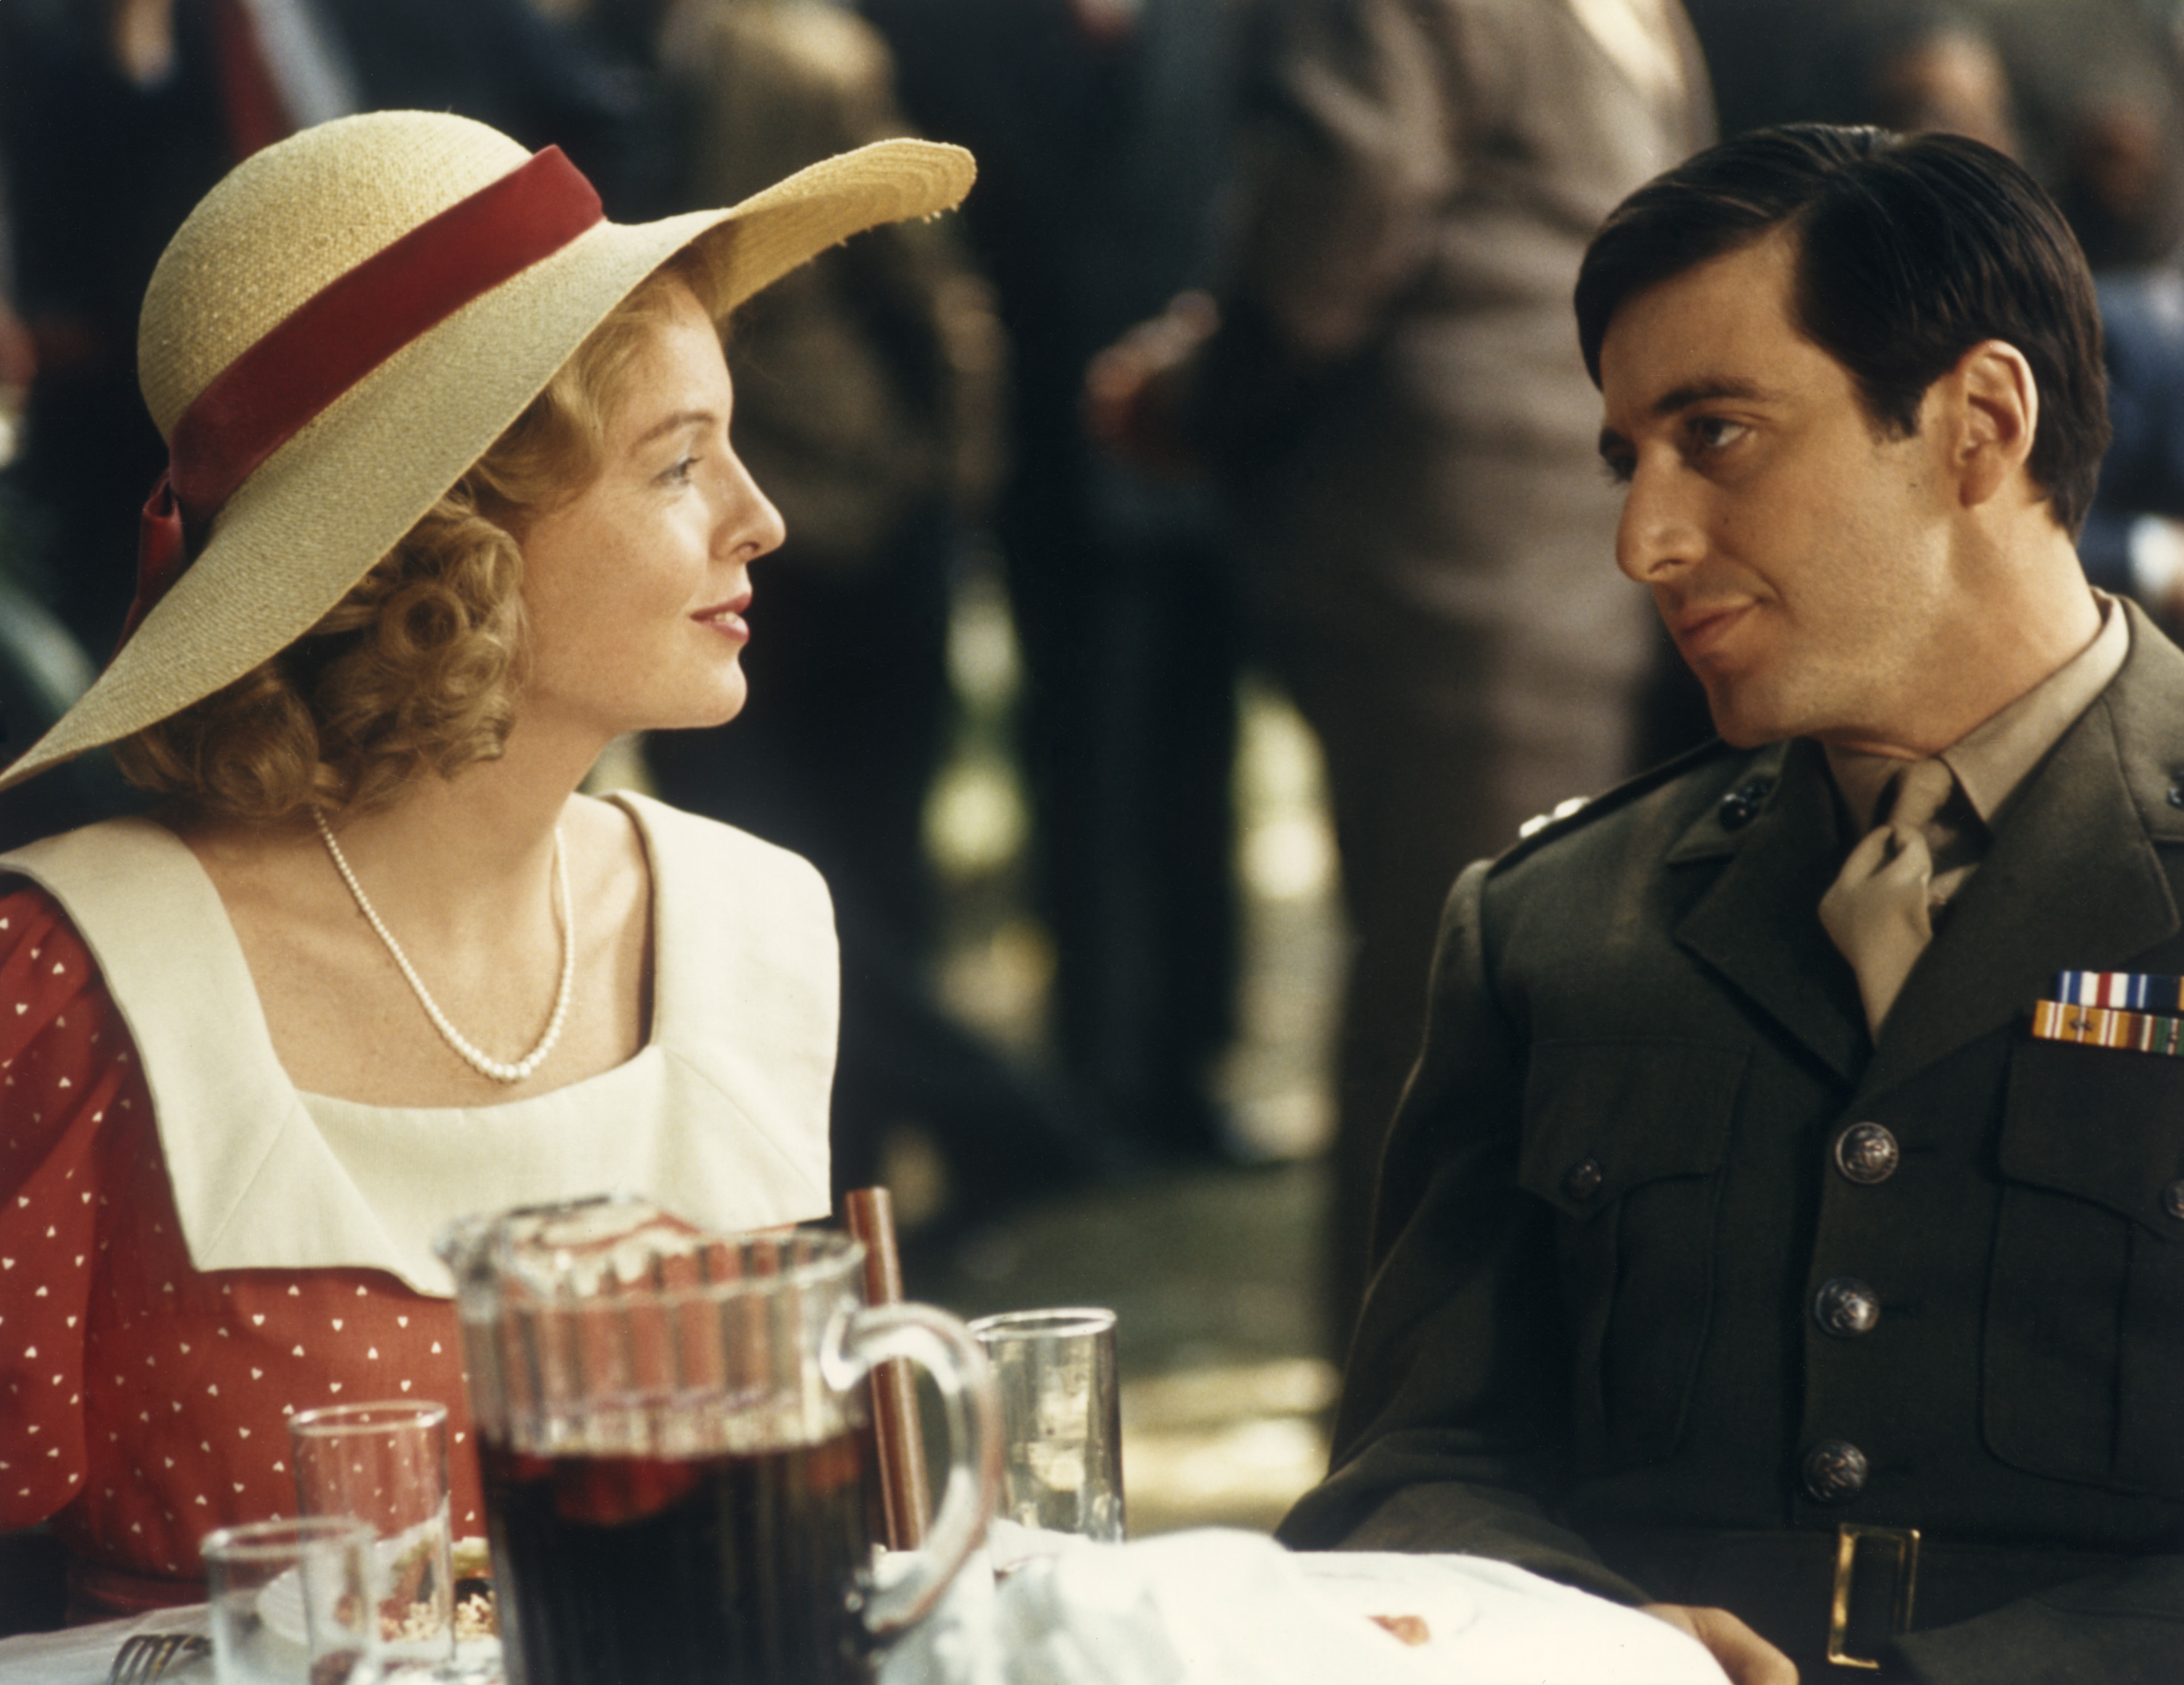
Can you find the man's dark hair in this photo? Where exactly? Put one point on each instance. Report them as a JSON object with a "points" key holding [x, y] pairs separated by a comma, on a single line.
{"points": [[1910, 253]]}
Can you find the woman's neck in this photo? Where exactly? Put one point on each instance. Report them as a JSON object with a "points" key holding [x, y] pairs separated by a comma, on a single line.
{"points": [[466, 860], [461, 872]]}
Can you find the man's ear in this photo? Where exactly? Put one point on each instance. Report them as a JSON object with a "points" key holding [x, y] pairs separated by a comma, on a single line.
{"points": [[1990, 410]]}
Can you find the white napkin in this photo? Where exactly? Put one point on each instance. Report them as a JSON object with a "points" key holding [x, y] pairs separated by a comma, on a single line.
{"points": [[1217, 1607]]}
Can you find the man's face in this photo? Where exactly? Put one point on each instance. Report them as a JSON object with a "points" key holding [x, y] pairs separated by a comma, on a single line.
{"points": [[1803, 563]]}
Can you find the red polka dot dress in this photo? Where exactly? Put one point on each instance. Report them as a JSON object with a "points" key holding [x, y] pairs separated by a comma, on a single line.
{"points": [[148, 1400], [154, 1343]]}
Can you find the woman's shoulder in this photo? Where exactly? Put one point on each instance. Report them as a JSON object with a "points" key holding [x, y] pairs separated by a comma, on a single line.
{"points": [[110, 848], [58, 890], [62, 1041], [29, 915], [44, 963], [122, 884], [694, 857], [738, 920]]}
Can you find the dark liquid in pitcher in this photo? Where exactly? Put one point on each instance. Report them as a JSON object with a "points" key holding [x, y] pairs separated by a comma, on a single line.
{"points": [[740, 1570]]}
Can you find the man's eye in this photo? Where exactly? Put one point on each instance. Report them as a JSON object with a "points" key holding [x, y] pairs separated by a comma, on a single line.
{"points": [[1618, 468], [1715, 432]]}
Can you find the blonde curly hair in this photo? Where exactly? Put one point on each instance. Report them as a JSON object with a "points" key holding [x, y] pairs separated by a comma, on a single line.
{"points": [[419, 668]]}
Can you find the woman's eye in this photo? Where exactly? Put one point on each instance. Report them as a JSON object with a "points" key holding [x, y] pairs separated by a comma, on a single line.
{"points": [[679, 475]]}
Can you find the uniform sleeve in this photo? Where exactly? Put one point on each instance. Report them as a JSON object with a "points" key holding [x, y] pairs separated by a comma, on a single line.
{"points": [[63, 1056], [1453, 1423]]}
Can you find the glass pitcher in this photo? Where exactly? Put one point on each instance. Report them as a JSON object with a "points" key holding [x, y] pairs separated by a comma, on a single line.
{"points": [[679, 1484]]}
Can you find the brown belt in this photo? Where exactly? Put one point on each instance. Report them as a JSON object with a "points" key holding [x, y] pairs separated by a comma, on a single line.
{"points": [[1838, 1598]]}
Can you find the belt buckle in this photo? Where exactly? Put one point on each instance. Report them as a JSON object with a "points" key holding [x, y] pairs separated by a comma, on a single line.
{"points": [[1847, 1535]]}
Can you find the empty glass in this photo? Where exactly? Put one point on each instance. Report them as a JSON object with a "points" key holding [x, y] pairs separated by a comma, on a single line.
{"points": [[290, 1602], [385, 1465], [1062, 1434]]}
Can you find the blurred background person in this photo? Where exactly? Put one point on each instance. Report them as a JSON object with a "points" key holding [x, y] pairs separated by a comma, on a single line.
{"points": [[1935, 69], [2119, 178], [868, 391], [42, 668], [1390, 396], [1100, 127], [1905, 64]]}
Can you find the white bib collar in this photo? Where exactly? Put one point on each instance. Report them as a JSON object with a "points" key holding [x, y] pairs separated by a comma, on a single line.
{"points": [[721, 1117]]}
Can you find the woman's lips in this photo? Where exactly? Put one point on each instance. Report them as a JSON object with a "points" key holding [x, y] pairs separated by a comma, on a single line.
{"points": [[728, 617]]}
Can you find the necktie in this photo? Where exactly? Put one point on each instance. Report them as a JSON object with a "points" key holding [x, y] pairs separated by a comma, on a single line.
{"points": [[1879, 910]]}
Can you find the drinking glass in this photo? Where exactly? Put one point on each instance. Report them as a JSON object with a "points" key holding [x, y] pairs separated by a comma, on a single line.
{"points": [[1062, 1434], [290, 1602], [385, 1465]]}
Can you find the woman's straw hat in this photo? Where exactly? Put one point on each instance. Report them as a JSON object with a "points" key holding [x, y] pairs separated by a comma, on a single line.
{"points": [[407, 205]]}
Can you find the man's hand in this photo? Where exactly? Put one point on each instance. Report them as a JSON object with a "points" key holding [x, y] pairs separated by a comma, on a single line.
{"points": [[1746, 1657], [1133, 390]]}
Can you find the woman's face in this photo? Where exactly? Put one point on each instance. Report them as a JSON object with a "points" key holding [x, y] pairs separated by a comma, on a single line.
{"points": [[636, 589]]}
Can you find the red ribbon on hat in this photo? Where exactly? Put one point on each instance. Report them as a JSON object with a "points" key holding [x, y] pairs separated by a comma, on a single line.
{"points": [[338, 336]]}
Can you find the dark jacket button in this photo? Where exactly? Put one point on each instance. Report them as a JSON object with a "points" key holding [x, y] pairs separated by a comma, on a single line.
{"points": [[1867, 1154], [1846, 1307], [1584, 1178], [1740, 807], [1835, 1471], [2172, 1200]]}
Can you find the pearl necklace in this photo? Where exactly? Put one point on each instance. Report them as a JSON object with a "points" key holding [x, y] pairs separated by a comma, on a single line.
{"points": [[478, 1061]]}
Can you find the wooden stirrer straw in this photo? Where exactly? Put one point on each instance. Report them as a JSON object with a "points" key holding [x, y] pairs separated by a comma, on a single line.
{"points": [[905, 1495]]}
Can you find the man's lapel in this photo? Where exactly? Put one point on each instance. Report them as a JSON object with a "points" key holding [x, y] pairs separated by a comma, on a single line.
{"points": [[1758, 924], [2073, 880]]}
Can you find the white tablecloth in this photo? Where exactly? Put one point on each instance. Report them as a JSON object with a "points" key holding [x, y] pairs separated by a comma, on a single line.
{"points": [[1205, 1608], [83, 1656]]}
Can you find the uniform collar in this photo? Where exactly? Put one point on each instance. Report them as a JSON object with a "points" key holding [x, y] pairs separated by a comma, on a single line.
{"points": [[1992, 759]]}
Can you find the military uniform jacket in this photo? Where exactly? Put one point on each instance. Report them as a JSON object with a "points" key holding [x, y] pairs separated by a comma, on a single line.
{"points": [[1611, 1203]]}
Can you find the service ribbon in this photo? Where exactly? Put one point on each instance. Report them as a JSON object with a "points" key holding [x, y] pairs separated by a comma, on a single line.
{"points": [[2137, 990], [2108, 1027]]}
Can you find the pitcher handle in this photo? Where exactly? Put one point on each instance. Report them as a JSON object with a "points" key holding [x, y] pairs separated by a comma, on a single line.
{"points": [[947, 1351]]}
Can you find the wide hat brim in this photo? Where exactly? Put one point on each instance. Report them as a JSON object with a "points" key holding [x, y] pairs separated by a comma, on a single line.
{"points": [[336, 497]]}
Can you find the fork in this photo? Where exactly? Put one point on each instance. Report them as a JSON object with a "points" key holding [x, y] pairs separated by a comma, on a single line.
{"points": [[153, 1655]]}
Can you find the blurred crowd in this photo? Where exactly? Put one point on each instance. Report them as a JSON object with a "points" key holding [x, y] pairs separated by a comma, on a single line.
{"points": [[1251, 349]]}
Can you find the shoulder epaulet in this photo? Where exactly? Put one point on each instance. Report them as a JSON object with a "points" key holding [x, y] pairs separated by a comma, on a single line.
{"points": [[1535, 834]]}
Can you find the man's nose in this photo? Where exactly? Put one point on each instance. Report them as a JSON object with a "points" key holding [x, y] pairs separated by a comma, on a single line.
{"points": [[1659, 533]]}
